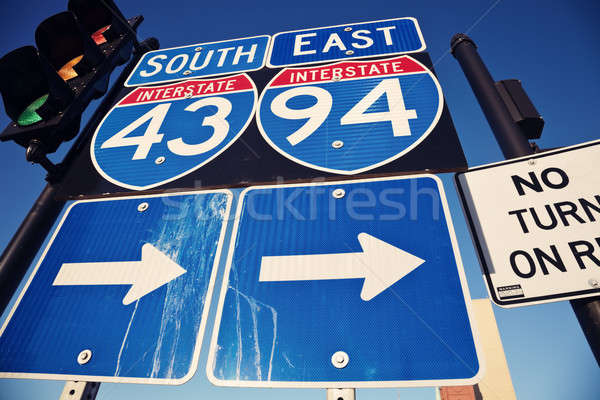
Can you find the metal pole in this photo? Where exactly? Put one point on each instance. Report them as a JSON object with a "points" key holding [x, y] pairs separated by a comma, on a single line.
{"points": [[26, 242], [509, 136], [513, 143], [587, 312]]}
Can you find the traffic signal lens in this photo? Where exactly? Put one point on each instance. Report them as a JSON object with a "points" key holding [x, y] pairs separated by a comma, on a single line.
{"points": [[99, 37], [30, 115], [67, 71]]}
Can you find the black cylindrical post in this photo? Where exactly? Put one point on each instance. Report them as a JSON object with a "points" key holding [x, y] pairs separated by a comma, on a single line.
{"points": [[26, 241], [513, 143], [509, 136], [587, 311]]}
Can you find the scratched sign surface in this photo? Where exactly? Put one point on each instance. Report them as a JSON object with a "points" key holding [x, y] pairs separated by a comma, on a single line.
{"points": [[127, 282], [313, 272]]}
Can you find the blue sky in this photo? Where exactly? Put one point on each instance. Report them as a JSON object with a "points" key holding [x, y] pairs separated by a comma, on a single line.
{"points": [[552, 47]]}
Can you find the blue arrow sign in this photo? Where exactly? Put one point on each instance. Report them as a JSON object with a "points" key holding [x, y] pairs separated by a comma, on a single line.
{"points": [[352, 116], [200, 60], [157, 134], [365, 39], [349, 284], [121, 293]]}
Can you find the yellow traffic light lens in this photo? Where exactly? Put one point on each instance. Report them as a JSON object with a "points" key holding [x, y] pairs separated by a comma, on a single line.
{"points": [[67, 72], [30, 115], [98, 36]]}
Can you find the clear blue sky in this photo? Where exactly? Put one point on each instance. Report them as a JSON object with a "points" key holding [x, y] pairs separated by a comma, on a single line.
{"points": [[552, 47]]}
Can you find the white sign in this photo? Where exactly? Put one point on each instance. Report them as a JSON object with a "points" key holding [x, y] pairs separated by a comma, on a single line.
{"points": [[536, 225]]}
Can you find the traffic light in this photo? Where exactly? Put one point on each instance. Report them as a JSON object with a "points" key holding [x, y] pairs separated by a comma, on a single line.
{"points": [[46, 89]]}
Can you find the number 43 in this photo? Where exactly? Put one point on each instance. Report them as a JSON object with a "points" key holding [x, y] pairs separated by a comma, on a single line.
{"points": [[177, 146]]}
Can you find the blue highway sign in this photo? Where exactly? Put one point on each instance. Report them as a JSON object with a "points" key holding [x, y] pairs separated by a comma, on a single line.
{"points": [[200, 60], [352, 116], [157, 134], [348, 284], [121, 293], [365, 39]]}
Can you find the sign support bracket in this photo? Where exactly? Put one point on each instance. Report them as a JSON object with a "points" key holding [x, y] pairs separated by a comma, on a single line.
{"points": [[341, 394], [513, 143], [79, 390]]}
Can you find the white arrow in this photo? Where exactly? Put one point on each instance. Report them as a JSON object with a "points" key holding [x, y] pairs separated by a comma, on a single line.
{"points": [[154, 270], [380, 264]]}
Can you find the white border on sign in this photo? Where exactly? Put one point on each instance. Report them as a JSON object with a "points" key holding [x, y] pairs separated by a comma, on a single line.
{"points": [[210, 364], [205, 310], [417, 27], [476, 232], [372, 166], [195, 167], [262, 64]]}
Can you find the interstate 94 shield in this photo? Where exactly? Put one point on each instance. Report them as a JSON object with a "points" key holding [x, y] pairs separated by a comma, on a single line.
{"points": [[352, 116]]}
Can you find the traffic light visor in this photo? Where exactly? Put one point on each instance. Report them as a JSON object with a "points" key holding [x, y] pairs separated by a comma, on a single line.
{"points": [[101, 19], [68, 49], [24, 86]]}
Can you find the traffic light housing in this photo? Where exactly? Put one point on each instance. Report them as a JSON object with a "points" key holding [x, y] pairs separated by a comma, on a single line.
{"points": [[30, 93], [45, 90]]}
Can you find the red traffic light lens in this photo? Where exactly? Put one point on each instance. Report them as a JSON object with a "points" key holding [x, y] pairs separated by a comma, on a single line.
{"points": [[98, 36]]}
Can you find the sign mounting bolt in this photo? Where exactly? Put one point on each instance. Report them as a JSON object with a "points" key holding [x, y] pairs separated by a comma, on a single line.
{"points": [[338, 144], [340, 359], [531, 162], [187, 72], [594, 283], [143, 207], [84, 357], [199, 48], [159, 160], [349, 52], [338, 194], [347, 29]]}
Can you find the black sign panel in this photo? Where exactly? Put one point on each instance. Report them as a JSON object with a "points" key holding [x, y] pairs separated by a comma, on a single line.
{"points": [[368, 117]]}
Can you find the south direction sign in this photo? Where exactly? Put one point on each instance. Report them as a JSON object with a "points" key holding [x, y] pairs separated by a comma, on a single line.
{"points": [[184, 126], [347, 284], [352, 116], [121, 293], [331, 43], [200, 60], [537, 230]]}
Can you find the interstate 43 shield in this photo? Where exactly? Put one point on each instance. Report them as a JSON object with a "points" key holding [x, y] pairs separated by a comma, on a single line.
{"points": [[157, 134]]}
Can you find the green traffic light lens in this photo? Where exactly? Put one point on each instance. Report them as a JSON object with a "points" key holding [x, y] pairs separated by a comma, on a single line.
{"points": [[30, 115]]}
